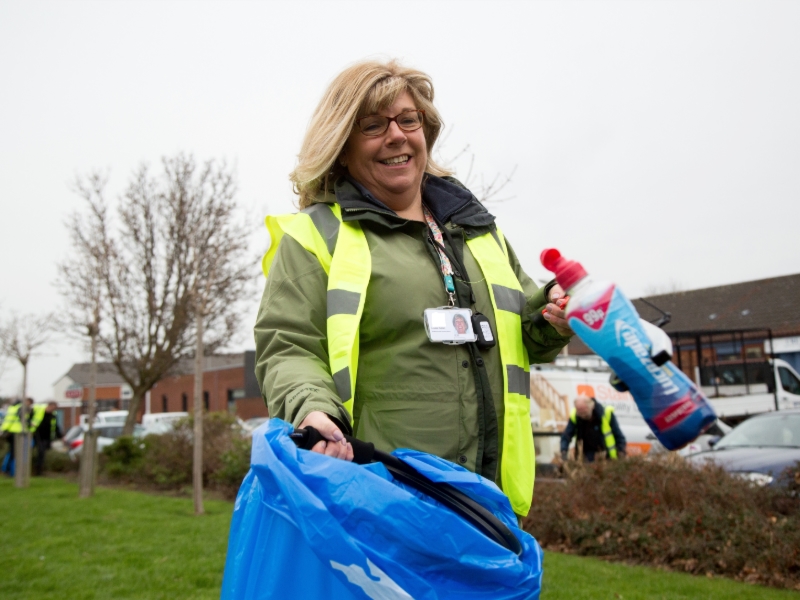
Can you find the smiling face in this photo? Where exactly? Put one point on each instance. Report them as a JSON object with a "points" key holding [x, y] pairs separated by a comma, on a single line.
{"points": [[391, 165], [460, 324]]}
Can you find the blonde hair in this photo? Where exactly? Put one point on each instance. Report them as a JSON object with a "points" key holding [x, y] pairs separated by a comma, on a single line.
{"points": [[361, 89]]}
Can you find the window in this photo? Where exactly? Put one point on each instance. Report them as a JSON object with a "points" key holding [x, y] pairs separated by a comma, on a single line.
{"points": [[109, 432], [774, 430], [205, 399], [233, 396], [734, 374], [164, 403], [103, 405], [184, 403], [754, 352], [789, 382]]}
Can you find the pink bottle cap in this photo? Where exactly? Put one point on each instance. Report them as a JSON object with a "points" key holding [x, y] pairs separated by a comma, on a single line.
{"points": [[568, 272]]}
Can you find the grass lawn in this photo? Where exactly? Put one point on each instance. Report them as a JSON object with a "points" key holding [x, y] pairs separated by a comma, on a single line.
{"points": [[118, 544], [578, 577], [123, 544]]}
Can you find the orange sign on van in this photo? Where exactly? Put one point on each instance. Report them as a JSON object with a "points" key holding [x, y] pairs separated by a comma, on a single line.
{"points": [[585, 390], [637, 449]]}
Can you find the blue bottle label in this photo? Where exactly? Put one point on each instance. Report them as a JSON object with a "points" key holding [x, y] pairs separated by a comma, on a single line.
{"points": [[669, 401]]}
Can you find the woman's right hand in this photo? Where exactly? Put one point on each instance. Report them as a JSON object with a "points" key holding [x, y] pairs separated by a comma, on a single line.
{"points": [[334, 443]]}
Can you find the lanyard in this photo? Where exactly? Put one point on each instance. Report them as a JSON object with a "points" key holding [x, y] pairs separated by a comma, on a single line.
{"points": [[447, 268]]}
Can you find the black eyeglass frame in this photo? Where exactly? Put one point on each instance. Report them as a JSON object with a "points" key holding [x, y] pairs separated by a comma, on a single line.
{"points": [[390, 119]]}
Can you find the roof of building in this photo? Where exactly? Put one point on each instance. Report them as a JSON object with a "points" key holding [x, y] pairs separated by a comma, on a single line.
{"points": [[772, 303], [215, 362], [107, 373]]}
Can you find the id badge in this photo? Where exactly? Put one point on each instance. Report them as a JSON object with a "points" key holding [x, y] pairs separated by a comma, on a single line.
{"points": [[449, 325]]}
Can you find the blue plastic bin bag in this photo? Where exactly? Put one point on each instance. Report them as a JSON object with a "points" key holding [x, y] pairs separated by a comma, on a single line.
{"points": [[309, 526]]}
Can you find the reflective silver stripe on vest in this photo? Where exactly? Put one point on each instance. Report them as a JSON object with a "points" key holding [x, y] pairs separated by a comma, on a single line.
{"points": [[508, 299], [342, 302], [519, 382], [342, 381], [326, 223]]}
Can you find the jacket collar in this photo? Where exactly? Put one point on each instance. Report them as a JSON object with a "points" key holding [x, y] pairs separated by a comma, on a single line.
{"points": [[445, 197]]}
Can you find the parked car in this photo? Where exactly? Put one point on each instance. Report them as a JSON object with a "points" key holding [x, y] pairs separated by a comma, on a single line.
{"points": [[164, 417], [759, 449], [154, 428], [64, 444], [106, 435], [250, 425], [106, 417], [707, 440]]}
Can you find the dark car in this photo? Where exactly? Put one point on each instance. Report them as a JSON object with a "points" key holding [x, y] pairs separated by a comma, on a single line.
{"points": [[760, 449]]}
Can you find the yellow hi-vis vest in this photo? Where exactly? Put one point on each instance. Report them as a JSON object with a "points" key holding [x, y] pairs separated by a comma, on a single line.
{"points": [[605, 428], [11, 422], [37, 415], [342, 250]]}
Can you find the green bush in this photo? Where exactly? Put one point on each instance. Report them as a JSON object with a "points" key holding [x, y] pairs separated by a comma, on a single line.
{"points": [[235, 465], [165, 461], [123, 458], [59, 462], [665, 512]]}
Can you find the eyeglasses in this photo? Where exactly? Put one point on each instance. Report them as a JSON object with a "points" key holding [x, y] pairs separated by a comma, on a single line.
{"points": [[375, 125]]}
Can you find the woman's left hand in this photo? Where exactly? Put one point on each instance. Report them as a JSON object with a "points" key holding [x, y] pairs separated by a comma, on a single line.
{"points": [[554, 311]]}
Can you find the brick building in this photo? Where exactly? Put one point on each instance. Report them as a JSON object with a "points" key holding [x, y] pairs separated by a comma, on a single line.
{"points": [[229, 384], [71, 392]]}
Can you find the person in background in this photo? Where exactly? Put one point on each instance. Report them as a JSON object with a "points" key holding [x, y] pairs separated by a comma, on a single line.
{"points": [[595, 428], [46, 432], [10, 428]]}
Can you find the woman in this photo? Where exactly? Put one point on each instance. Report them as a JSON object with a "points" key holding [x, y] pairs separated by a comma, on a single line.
{"points": [[384, 240]]}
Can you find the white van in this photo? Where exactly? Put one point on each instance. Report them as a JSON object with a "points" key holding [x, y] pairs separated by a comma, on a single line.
{"points": [[554, 387], [164, 417], [106, 417]]}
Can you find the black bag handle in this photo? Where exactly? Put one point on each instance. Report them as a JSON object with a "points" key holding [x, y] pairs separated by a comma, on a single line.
{"points": [[454, 499]]}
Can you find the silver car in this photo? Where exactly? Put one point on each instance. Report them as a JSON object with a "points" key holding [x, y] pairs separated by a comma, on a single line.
{"points": [[106, 435]]}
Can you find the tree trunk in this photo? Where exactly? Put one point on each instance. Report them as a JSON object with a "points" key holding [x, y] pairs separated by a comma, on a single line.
{"points": [[133, 411], [197, 470], [22, 441], [88, 472]]}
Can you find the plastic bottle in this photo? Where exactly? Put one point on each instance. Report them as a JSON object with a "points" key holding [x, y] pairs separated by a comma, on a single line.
{"points": [[607, 322]]}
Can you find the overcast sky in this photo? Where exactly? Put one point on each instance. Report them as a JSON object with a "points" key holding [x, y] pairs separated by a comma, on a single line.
{"points": [[656, 142]]}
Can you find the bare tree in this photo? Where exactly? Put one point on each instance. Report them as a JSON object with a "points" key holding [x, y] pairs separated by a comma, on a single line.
{"points": [[147, 297], [486, 190], [659, 289], [20, 337], [80, 280], [221, 272]]}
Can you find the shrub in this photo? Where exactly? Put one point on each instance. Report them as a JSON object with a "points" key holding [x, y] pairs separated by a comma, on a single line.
{"points": [[235, 464], [663, 511], [123, 458], [165, 461], [59, 462]]}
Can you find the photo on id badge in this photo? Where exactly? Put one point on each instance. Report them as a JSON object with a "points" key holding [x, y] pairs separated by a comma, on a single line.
{"points": [[449, 325]]}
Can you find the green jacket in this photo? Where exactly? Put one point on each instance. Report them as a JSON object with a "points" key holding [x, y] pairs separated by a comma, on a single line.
{"points": [[446, 400]]}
